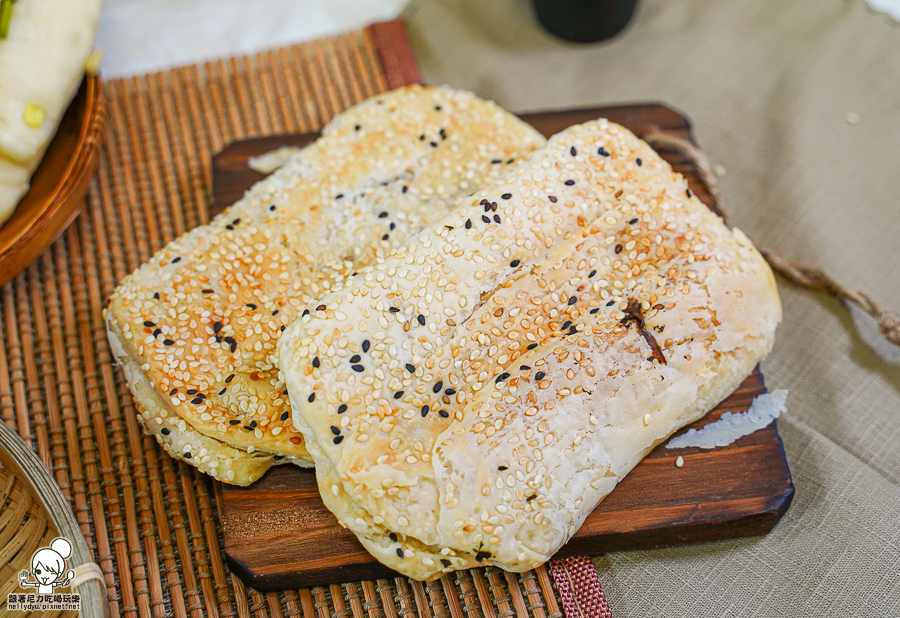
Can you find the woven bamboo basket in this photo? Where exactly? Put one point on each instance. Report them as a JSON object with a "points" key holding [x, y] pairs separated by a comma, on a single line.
{"points": [[33, 512]]}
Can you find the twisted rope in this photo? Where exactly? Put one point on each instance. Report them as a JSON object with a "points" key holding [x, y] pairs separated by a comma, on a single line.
{"points": [[798, 273]]}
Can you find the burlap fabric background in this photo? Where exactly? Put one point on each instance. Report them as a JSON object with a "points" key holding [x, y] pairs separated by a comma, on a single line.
{"points": [[768, 85]]}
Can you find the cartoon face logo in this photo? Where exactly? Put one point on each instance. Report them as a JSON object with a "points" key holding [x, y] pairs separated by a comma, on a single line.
{"points": [[48, 568]]}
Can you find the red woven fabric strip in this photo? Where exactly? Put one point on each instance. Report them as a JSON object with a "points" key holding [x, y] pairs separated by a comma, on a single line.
{"points": [[395, 51], [579, 588]]}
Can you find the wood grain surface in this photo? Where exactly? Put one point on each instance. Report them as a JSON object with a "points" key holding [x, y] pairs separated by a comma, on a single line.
{"points": [[59, 183], [278, 534]]}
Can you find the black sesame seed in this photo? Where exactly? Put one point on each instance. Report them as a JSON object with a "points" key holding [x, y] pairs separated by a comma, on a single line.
{"points": [[222, 392], [338, 439], [421, 319], [566, 325], [433, 144], [487, 205], [149, 323], [229, 378], [393, 537], [450, 391], [532, 346], [602, 152], [234, 422], [357, 368], [572, 151], [248, 428], [506, 196], [335, 430], [410, 368], [444, 413], [421, 138], [468, 223], [399, 553], [276, 312], [305, 312], [485, 218], [272, 207], [501, 377], [217, 327], [187, 455], [398, 394], [165, 431], [191, 391], [573, 300], [595, 310], [156, 295], [592, 275], [357, 127], [173, 391], [283, 327], [424, 411], [570, 183], [496, 161], [316, 362], [365, 345], [497, 218], [502, 468], [514, 263], [157, 332], [573, 330], [229, 227], [321, 308], [311, 398], [633, 221], [382, 215], [639, 162], [236, 221], [253, 424], [524, 368], [539, 375], [445, 562], [482, 555], [530, 498], [437, 108], [233, 346], [252, 306], [393, 309], [355, 358], [176, 260], [338, 196], [689, 194], [611, 303], [552, 198], [284, 416], [392, 226], [403, 190], [509, 161], [618, 249], [385, 237], [443, 134], [342, 408], [168, 342]]}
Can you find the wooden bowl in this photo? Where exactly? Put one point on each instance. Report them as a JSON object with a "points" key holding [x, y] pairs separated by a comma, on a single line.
{"points": [[58, 185]]}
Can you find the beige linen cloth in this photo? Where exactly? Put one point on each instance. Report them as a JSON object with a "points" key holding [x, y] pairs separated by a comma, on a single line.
{"points": [[769, 85]]}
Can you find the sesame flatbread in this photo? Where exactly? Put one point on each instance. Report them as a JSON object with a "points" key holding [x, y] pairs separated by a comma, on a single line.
{"points": [[196, 326], [469, 400]]}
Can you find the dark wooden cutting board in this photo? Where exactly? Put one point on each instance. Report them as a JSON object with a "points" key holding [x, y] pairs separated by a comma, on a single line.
{"points": [[279, 535]]}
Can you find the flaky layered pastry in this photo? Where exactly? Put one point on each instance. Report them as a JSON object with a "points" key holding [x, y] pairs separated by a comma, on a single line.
{"points": [[195, 327], [471, 398]]}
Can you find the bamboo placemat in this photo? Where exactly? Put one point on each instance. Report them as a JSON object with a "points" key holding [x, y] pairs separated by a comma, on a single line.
{"points": [[151, 523]]}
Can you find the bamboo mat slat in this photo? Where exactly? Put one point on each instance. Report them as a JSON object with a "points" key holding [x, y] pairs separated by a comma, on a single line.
{"points": [[152, 523]]}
